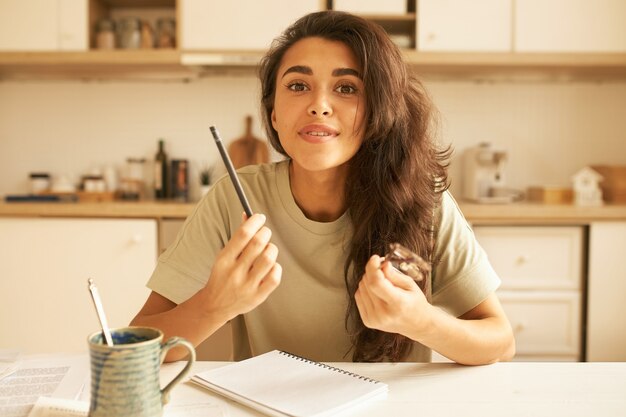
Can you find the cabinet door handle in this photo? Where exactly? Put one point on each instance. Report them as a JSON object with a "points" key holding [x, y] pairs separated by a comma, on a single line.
{"points": [[522, 260], [519, 326]]}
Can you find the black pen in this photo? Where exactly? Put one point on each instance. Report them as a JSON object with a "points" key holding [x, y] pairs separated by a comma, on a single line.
{"points": [[231, 171]]}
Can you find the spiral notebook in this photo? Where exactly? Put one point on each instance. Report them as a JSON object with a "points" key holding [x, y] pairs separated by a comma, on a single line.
{"points": [[281, 384]]}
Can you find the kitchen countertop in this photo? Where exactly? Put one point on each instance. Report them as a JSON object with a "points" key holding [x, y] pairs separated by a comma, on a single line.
{"points": [[514, 213]]}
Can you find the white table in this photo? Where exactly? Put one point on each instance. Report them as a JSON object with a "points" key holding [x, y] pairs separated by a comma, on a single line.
{"points": [[445, 389]]}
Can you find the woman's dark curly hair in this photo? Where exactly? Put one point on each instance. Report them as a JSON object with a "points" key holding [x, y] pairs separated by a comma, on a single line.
{"points": [[398, 162]]}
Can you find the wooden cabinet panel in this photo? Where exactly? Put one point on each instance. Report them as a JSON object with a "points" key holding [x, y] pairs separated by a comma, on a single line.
{"points": [[371, 7], [43, 25], [541, 292], [570, 26], [28, 25], [73, 33], [545, 324], [460, 25], [534, 257], [44, 265], [246, 24], [606, 332]]}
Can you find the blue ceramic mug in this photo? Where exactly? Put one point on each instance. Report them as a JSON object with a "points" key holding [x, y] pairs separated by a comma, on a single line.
{"points": [[125, 376]]}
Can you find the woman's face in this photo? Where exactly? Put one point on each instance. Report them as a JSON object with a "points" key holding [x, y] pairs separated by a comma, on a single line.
{"points": [[319, 104]]}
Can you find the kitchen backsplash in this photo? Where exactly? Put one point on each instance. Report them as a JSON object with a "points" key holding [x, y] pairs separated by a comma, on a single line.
{"points": [[549, 129]]}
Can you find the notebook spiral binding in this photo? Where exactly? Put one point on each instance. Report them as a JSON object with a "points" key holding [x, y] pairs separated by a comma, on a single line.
{"points": [[332, 368]]}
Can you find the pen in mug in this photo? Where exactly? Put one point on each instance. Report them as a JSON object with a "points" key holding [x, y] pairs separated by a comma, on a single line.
{"points": [[231, 171], [106, 333]]}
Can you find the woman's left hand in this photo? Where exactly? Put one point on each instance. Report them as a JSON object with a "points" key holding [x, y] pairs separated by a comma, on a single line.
{"points": [[390, 301]]}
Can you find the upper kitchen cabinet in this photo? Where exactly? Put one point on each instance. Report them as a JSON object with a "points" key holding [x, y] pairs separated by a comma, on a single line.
{"points": [[43, 25], [561, 39], [570, 26], [397, 17], [464, 26], [237, 25], [128, 39]]}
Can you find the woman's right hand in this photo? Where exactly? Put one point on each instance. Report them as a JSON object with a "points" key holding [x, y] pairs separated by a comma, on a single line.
{"points": [[245, 272]]}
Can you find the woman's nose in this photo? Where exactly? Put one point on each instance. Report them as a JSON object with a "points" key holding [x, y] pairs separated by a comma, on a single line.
{"points": [[320, 106]]}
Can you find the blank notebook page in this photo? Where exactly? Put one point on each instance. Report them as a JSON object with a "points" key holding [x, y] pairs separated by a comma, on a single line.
{"points": [[279, 383]]}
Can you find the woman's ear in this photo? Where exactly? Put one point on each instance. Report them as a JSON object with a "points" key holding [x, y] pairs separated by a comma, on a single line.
{"points": [[273, 117]]}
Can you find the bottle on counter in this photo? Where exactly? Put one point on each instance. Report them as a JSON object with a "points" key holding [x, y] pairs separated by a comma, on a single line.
{"points": [[180, 180], [161, 173]]}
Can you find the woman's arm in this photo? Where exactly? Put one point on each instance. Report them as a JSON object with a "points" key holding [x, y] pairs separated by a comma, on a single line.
{"points": [[245, 272], [391, 301]]}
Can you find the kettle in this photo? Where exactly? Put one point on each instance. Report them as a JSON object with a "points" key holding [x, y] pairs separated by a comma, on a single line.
{"points": [[484, 178]]}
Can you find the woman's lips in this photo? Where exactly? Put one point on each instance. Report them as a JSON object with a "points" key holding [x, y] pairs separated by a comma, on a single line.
{"points": [[317, 133]]}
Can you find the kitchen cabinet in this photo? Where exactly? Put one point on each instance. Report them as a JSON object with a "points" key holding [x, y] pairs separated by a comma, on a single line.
{"points": [[45, 263], [43, 25], [245, 24], [216, 35], [570, 26], [606, 334], [542, 276], [397, 17], [468, 26]]}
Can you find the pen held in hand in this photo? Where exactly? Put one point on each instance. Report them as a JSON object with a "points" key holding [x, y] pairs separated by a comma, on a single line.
{"points": [[231, 171], [106, 334]]}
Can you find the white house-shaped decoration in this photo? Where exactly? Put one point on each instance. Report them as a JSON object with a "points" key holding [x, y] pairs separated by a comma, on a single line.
{"points": [[587, 191]]}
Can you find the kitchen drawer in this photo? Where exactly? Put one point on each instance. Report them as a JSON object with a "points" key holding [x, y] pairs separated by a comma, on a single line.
{"points": [[527, 257], [546, 324]]}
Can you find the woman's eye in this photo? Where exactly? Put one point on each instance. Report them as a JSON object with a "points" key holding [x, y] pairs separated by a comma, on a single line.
{"points": [[297, 87], [346, 89]]}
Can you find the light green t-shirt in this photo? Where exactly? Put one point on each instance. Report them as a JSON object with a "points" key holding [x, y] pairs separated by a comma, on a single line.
{"points": [[305, 315]]}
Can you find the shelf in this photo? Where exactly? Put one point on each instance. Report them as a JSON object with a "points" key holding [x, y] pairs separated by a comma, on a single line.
{"points": [[406, 17], [148, 64], [138, 3], [568, 66], [95, 64], [460, 65]]}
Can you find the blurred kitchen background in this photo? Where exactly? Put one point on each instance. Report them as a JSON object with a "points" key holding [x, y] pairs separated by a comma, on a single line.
{"points": [[80, 112], [87, 84]]}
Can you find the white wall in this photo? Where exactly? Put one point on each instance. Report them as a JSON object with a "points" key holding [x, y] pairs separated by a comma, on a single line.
{"points": [[73, 127], [549, 129]]}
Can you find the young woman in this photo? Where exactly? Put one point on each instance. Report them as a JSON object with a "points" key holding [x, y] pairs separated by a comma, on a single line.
{"points": [[362, 170]]}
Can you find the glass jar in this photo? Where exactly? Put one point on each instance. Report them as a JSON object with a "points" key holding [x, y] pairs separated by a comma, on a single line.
{"points": [[132, 183], [39, 182], [105, 34], [129, 33], [166, 33]]}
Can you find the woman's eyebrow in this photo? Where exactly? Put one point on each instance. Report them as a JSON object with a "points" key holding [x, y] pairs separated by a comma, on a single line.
{"points": [[345, 71], [337, 72], [302, 69]]}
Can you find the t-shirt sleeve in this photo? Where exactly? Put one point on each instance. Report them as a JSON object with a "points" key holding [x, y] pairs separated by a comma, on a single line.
{"points": [[184, 268], [462, 275]]}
